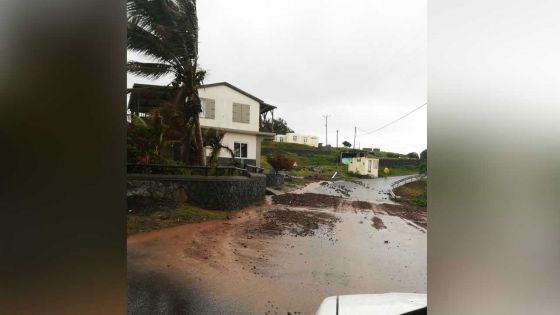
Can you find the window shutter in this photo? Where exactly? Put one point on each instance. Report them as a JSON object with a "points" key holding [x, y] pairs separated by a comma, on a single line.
{"points": [[236, 112], [210, 109], [246, 114], [241, 113]]}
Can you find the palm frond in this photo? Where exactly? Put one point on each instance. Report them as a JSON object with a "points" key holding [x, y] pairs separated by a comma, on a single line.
{"points": [[149, 70]]}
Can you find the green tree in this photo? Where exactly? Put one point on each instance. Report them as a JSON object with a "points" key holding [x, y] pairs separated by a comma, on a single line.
{"points": [[279, 126], [167, 31], [424, 162], [413, 155], [145, 137]]}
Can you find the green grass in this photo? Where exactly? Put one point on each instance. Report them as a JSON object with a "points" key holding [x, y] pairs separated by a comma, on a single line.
{"points": [[400, 171], [415, 193], [182, 214], [308, 157]]}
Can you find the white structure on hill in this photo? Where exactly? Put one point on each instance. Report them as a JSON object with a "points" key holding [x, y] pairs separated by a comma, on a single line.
{"points": [[364, 166], [298, 138]]}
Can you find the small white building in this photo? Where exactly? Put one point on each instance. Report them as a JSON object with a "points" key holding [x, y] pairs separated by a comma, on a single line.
{"points": [[298, 138], [364, 166]]}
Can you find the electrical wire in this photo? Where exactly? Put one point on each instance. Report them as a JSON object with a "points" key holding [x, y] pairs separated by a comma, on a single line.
{"points": [[394, 121]]}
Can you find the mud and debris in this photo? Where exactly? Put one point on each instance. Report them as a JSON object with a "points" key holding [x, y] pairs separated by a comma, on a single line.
{"points": [[282, 246], [307, 200], [361, 205], [295, 223], [378, 223], [341, 189], [416, 214]]}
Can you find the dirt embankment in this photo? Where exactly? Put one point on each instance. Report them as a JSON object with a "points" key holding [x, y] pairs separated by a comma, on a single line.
{"points": [[307, 200], [416, 214]]}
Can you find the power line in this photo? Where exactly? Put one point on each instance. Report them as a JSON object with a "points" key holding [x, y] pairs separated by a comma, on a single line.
{"points": [[394, 121]]}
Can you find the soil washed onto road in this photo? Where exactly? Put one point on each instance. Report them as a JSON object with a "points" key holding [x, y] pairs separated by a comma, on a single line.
{"points": [[295, 222], [307, 200], [284, 256]]}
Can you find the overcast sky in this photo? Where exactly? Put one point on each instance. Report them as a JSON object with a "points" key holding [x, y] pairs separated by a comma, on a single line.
{"points": [[363, 62]]}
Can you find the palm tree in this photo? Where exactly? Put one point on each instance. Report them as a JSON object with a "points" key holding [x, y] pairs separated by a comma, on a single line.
{"points": [[213, 139], [167, 31]]}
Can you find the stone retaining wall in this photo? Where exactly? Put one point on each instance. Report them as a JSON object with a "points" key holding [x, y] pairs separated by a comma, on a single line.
{"points": [[217, 193], [274, 180]]}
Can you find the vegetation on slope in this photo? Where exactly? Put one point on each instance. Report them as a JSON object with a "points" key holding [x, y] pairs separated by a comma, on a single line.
{"points": [[414, 193], [313, 163]]}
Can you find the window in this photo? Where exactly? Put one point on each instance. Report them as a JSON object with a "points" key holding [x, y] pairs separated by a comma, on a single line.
{"points": [[240, 149], [241, 113], [281, 139], [370, 163], [208, 108], [304, 139], [294, 138]]}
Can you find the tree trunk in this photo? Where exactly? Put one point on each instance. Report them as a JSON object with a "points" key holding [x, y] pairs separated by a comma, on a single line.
{"points": [[200, 157]]}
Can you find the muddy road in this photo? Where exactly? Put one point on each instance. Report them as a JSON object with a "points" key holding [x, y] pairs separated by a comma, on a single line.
{"points": [[285, 256]]}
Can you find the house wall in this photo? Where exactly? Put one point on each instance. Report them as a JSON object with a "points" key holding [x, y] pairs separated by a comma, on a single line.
{"points": [[231, 137], [359, 165], [224, 98]]}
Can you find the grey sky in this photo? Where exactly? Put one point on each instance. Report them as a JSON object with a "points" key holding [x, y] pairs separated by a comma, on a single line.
{"points": [[362, 61]]}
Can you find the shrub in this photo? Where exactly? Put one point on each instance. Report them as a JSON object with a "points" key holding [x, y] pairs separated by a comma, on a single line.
{"points": [[280, 162]]}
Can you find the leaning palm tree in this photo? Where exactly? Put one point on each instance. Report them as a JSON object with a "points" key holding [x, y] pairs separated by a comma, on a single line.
{"points": [[167, 31]]}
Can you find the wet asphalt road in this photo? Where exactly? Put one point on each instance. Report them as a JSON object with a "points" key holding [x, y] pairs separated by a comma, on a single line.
{"points": [[298, 274]]}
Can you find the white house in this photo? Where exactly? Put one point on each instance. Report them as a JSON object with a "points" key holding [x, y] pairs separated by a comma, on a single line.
{"points": [[364, 166], [224, 107], [298, 138]]}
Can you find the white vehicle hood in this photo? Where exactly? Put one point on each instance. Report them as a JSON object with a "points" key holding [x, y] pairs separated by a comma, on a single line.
{"points": [[372, 304]]}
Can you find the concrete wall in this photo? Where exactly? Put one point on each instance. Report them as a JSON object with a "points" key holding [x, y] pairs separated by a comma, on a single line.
{"points": [[359, 165], [224, 98], [217, 193]]}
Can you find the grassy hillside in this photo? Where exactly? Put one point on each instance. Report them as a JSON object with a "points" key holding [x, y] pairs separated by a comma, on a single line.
{"points": [[318, 164], [414, 193]]}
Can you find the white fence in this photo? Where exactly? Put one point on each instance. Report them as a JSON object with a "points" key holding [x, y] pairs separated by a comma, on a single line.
{"points": [[403, 181]]}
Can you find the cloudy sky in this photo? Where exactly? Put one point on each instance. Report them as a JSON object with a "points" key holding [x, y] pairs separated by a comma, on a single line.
{"points": [[363, 62]]}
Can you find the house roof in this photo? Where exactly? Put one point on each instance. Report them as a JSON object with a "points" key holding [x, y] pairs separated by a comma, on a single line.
{"points": [[143, 97]]}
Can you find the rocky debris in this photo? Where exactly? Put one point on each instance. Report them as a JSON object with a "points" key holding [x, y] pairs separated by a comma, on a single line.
{"points": [[341, 189], [416, 214], [361, 204], [378, 223], [307, 200], [295, 222]]}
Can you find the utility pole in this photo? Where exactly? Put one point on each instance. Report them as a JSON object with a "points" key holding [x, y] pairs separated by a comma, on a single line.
{"points": [[337, 139], [326, 126], [355, 137]]}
